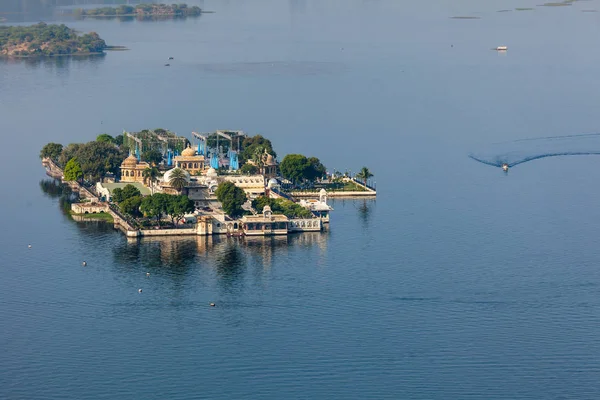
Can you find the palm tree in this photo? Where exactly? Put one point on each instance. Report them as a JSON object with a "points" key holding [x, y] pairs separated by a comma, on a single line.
{"points": [[178, 178], [364, 174], [258, 157], [151, 175]]}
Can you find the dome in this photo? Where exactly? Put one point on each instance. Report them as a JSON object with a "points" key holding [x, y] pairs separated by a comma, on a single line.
{"points": [[189, 152], [211, 173], [270, 160], [167, 175], [272, 183], [130, 161]]}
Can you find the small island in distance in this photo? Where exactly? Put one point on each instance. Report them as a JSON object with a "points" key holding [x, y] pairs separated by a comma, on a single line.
{"points": [[141, 10], [42, 40]]}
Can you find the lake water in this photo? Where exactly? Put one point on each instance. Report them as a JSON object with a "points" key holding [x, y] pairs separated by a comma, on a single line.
{"points": [[458, 282]]}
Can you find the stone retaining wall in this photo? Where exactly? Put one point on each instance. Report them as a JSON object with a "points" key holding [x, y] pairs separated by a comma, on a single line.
{"points": [[315, 195], [165, 232]]}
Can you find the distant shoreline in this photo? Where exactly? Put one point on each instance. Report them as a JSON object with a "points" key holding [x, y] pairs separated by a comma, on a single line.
{"points": [[141, 15], [87, 54], [5, 56]]}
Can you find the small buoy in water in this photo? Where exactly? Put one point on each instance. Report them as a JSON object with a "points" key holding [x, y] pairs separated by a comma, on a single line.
{"points": [[505, 167], [167, 65], [212, 304], [147, 273], [139, 290], [84, 263], [451, 45], [170, 58], [29, 246]]}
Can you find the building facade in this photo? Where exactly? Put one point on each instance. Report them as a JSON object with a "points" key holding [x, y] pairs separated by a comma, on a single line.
{"points": [[132, 169], [190, 161]]}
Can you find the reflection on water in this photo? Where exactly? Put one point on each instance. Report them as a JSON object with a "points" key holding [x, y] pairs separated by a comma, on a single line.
{"points": [[54, 188], [60, 65], [178, 254], [230, 257], [364, 211]]}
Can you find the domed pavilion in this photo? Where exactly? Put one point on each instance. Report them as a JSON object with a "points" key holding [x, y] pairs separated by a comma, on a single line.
{"points": [[270, 166], [189, 161], [132, 169]]}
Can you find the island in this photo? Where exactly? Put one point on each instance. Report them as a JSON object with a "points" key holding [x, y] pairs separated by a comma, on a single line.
{"points": [[48, 40], [141, 10], [157, 183]]}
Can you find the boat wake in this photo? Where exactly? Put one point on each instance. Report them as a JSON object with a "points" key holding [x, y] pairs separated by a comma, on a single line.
{"points": [[524, 150]]}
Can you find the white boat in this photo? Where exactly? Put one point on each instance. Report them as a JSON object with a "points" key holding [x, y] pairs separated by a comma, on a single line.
{"points": [[502, 48], [505, 167]]}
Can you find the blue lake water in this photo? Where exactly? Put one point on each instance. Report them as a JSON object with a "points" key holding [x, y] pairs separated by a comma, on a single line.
{"points": [[458, 282]]}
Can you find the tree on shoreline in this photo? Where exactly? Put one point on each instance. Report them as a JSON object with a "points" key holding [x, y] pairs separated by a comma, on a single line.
{"points": [[178, 206], [67, 153], [73, 171], [154, 206], [131, 206], [47, 40], [364, 174], [231, 198], [51, 151], [297, 168]]}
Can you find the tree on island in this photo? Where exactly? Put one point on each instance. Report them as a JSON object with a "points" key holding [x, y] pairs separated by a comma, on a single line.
{"points": [[142, 10], [118, 140], [231, 198], [96, 158], [73, 171], [99, 158], [249, 169], [152, 157], [67, 153], [51, 151], [364, 174], [47, 40], [159, 204], [293, 167], [178, 206], [316, 169], [131, 206], [105, 138], [151, 176], [155, 206], [251, 144], [119, 195], [297, 168], [281, 206], [178, 179]]}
